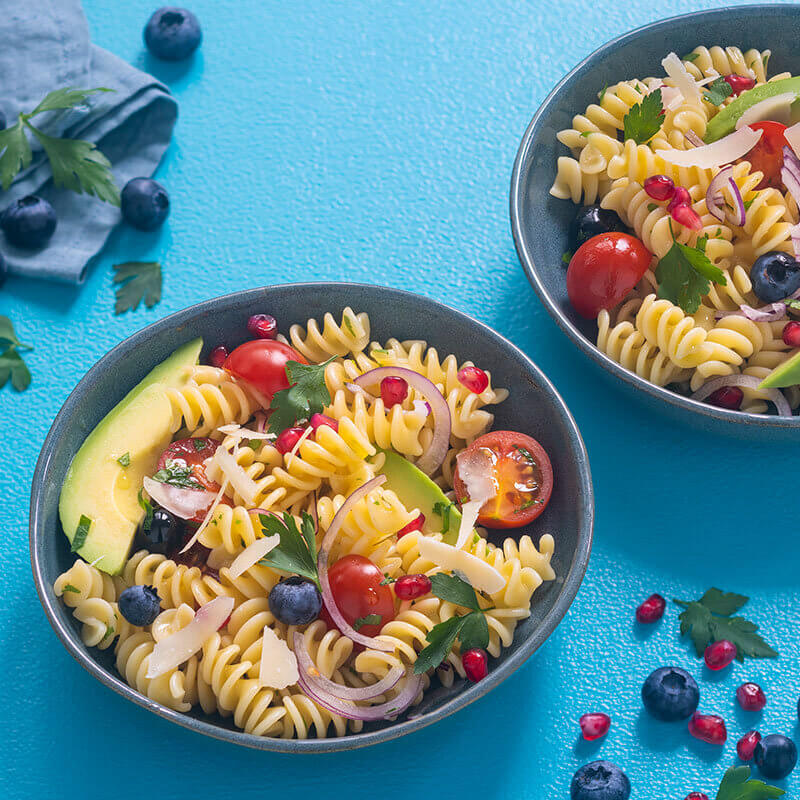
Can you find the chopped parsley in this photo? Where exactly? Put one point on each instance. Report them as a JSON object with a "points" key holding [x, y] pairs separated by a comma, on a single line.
{"points": [[386, 580], [199, 444], [81, 532], [307, 395], [527, 453], [644, 120], [534, 501], [124, 460], [586, 134], [652, 206], [718, 92], [70, 588], [566, 256], [177, 473], [748, 203], [691, 57], [147, 506], [602, 95], [349, 325], [370, 619], [443, 510]]}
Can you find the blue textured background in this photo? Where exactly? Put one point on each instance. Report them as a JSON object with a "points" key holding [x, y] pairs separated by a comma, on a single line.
{"points": [[374, 141]]}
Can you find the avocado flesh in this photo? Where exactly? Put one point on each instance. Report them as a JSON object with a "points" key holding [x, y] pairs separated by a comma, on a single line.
{"points": [[725, 122], [99, 487], [416, 490], [787, 374]]}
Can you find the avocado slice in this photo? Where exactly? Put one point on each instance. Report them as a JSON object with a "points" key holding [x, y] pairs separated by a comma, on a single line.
{"points": [[99, 487], [787, 374], [725, 122], [416, 490]]}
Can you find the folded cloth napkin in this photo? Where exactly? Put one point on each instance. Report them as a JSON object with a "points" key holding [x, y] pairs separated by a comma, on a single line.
{"points": [[44, 45]]}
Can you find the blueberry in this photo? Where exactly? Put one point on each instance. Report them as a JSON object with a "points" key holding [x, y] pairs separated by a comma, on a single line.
{"points": [[172, 33], [165, 533], [775, 756], [670, 694], [144, 204], [775, 275], [590, 221], [600, 780], [139, 605], [28, 222], [295, 601]]}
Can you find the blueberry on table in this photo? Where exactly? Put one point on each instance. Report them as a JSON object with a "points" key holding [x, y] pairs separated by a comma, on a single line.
{"points": [[775, 276], [164, 534], [295, 601], [140, 605], [590, 221], [670, 694], [600, 780], [144, 204], [29, 222], [775, 756], [172, 33]]}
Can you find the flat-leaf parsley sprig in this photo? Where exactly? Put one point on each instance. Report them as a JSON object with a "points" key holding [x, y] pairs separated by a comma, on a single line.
{"points": [[297, 551], [77, 165], [307, 395], [138, 280], [11, 364], [644, 120], [738, 785]]}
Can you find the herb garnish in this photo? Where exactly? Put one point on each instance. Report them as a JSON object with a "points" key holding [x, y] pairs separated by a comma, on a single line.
{"points": [[11, 363], [601, 95], [652, 206], [443, 510], [139, 280], [644, 119], [525, 452], [370, 619], [81, 532], [691, 57], [710, 619], [387, 580], [70, 588], [349, 325], [748, 203], [297, 551], [148, 511], [199, 444], [124, 460], [738, 785], [566, 257], [307, 395], [177, 473], [718, 92], [471, 630]]}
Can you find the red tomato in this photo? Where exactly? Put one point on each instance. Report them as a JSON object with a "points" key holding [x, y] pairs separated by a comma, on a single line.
{"points": [[262, 363], [767, 155], [193, 453], [356, 586], [603, 270], [523, 475]]}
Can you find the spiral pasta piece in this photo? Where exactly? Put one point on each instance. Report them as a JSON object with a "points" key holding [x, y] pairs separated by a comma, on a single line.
{"points": [[351, 336]]}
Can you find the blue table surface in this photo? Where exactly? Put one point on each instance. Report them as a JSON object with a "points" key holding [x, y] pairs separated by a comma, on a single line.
{"points": [[374, 142]]}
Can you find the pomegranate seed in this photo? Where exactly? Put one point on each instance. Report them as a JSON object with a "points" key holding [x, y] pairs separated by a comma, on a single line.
{"points": [[680, 197], [660, 187], [593, 726], [410, 587], [475, 664], [685, 215], [719, 654], [708, 728], [747, 745], [652, 609], [751, 697], [287, 440], [739, 83], [217, 356], [414, 525], [263, 326], [393, 391], [696, 796], [318, 420], [727, 397], [474, 378], [791, 334]]}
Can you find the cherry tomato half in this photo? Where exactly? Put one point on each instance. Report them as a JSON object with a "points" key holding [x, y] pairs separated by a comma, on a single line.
{"points": [[262, 363], [193, 453], [356, 586], [523, 475], [603, 270], [767, 155]]}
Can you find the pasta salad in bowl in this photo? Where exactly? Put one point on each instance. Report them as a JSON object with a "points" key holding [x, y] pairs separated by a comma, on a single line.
{"points": [[293, 529], [681, 239]]}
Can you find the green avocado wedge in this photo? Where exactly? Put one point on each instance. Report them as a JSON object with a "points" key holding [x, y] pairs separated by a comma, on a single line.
{"points": [[725, 122], [99, 487], [787, 374], [416, 490]]}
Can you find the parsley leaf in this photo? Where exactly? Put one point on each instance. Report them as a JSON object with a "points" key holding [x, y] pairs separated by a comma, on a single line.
{"points": [[81, 532], [297, 552], [11, 364], [140, 280], [644, 119], [124, 460], [307, 395], [8, 334], [454, 590], [443, 510], [474, 631], [441, 639], [70, 588], [148, 511], [738, 785], [370, 619], [177, 473], [68, 97], [718, 91], [16, 153], [652, 206], [725, 603]]}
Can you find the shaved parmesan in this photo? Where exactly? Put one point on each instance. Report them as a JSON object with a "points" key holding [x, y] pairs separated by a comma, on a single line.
{"points": [[241, 482], [293, 452], [183, 503], [252, 554], [792, 135], [684, 82], [481, 575], [725, 151], [475, 468], [777, 109], [209, 514], [219, 558], [238, 432], [176, 648], [278, 668]]}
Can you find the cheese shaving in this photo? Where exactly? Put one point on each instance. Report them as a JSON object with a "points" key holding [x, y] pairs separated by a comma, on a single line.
{"points": [[481, 575], [209, 514], [238, 433], [792, 135], [293, 452], [724, 151], [278, 668], [684, 82], [241, 482], [252, 554], [777, 109]]}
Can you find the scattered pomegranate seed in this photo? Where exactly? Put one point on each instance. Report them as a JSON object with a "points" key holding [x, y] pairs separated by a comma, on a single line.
{"points": [[393, 391], [318, 420], [727, 397], [708, 728], [751, 697], [287, 439], [660, 187], [719, 654], [410, 587], [595, 725], [747, 745], [652, 609], [474, 378], [685, 215], [739, 83], [263, 326], [696, 796], [217, 356], [414, 525], [475, 664], [680, 197], [791, 334]]}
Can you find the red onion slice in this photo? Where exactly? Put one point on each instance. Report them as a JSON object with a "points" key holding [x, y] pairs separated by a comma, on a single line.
{"points": [[790, 175], [341, 514], [715, 202], [693, 139], [749, 382], [337, 691], [432, 458], [771, 313], [183, 503]]}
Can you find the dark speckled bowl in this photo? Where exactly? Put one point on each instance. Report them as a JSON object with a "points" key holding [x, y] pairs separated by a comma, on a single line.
{"points": [[540, 222], [533, 407]]}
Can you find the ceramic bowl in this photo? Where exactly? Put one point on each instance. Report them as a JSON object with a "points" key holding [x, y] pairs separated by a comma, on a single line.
{"points": [[540, 222], [533, 407]]}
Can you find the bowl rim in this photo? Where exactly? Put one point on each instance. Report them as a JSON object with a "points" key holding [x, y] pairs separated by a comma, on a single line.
{"points": [[517, 191], [572, 577]]}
